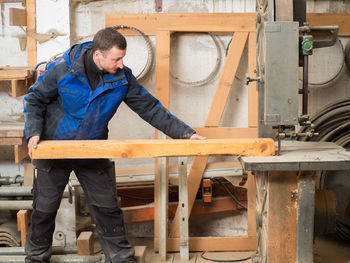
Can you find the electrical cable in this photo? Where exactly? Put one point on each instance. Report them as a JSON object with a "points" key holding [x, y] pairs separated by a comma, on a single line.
{"points": [[222, 260], [211, 75], [150, 58], [230, 194]]}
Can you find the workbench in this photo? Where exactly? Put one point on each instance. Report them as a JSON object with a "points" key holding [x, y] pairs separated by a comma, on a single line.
{"points": [[285, 191]]}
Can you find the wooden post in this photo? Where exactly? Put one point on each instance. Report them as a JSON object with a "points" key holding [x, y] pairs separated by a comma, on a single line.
{"points": [[22, 224], [31, 27], [85, 243]]}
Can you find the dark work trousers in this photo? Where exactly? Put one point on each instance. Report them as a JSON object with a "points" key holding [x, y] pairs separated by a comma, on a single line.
{"points": [[97, 178]]}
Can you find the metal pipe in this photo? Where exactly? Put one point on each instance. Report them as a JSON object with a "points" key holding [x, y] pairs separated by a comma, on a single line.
{"points": [[305, 85], [20, 251], [20, 191], [5, 180], [16, 191], [58, 259], [15, 205]]}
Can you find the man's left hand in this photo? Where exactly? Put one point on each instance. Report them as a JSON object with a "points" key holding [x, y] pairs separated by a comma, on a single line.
{"points": [[196, 136]]}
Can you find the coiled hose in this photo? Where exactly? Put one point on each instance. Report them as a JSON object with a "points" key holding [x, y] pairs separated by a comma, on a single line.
{"points": [[333, 125]]}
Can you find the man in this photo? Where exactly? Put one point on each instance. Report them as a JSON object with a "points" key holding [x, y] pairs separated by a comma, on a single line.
{"points": [[74, 100]]}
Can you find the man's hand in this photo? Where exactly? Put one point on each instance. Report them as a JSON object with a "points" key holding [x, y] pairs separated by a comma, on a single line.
{"points": [[33, 143], [196, 136]]}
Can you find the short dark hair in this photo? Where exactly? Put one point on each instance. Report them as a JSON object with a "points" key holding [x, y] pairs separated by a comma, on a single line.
{"points": [[107, 38]]}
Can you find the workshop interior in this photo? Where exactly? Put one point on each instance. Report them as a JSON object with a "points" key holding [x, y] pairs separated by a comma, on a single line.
{"points": [[246, 75]]}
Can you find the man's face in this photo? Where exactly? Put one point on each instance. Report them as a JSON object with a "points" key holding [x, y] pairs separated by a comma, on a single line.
{"points": [[110, 60]]}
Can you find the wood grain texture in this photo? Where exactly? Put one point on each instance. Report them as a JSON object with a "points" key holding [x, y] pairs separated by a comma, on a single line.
{"points": [[188, 22], [152, 148], [227, 77], [281, 218], [240, 243]]}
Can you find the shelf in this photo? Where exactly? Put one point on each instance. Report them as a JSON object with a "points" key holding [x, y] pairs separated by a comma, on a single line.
{"points": [[21, 79]]}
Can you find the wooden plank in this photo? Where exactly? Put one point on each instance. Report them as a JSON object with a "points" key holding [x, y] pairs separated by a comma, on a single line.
{"points": [[146, 170], [240, 243], [284, 10], [21, 152], [17, 17], [31, 27], [28, 174], [20, 87], [226, 132], [11, 141], [85, 243], [193, 22], [151, 148], [146, 212], [140, 254], [9, 73], [227, 77], [328, 19], [163, 67], [252, 87], [251, 206], [163, 95], [221, 24], [11, 129], [22, 224], [147, 23], [281, 217]]}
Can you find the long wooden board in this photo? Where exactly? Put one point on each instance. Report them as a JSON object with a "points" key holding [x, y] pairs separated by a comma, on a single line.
{"points": [[239, 243], [151, 148], [190, 22]]}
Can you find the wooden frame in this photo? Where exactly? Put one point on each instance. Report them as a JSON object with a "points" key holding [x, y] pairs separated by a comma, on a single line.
{"points": [[243, 27]]}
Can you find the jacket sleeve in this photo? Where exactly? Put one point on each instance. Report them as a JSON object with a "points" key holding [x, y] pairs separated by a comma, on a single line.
{"points": [[39, 95], [153, 112]]}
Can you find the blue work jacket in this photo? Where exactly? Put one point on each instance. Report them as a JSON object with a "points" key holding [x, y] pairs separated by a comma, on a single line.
{"points": [[62, 106]]}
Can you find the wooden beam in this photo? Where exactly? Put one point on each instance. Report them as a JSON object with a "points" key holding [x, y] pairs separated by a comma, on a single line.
{"points": [[85, 243], [17, 17], [328, 19], [22, 224], [9, 73], [189, 22], [251, 225], [252, 87], [31, 27], [163, 67], [151, 148], [21, 152], [240, 243], [146, 212], [226, 132], [227, 77], [9, 129], [284, 10], [148, 23], [20, 87], [11, 141], [281, 217]]}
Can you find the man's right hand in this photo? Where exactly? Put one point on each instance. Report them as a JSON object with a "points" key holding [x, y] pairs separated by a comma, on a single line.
{"points": [[33, 143]]}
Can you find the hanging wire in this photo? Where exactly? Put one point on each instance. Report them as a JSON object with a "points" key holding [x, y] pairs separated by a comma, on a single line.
{"points": [[150, 58], [211, 75]]}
